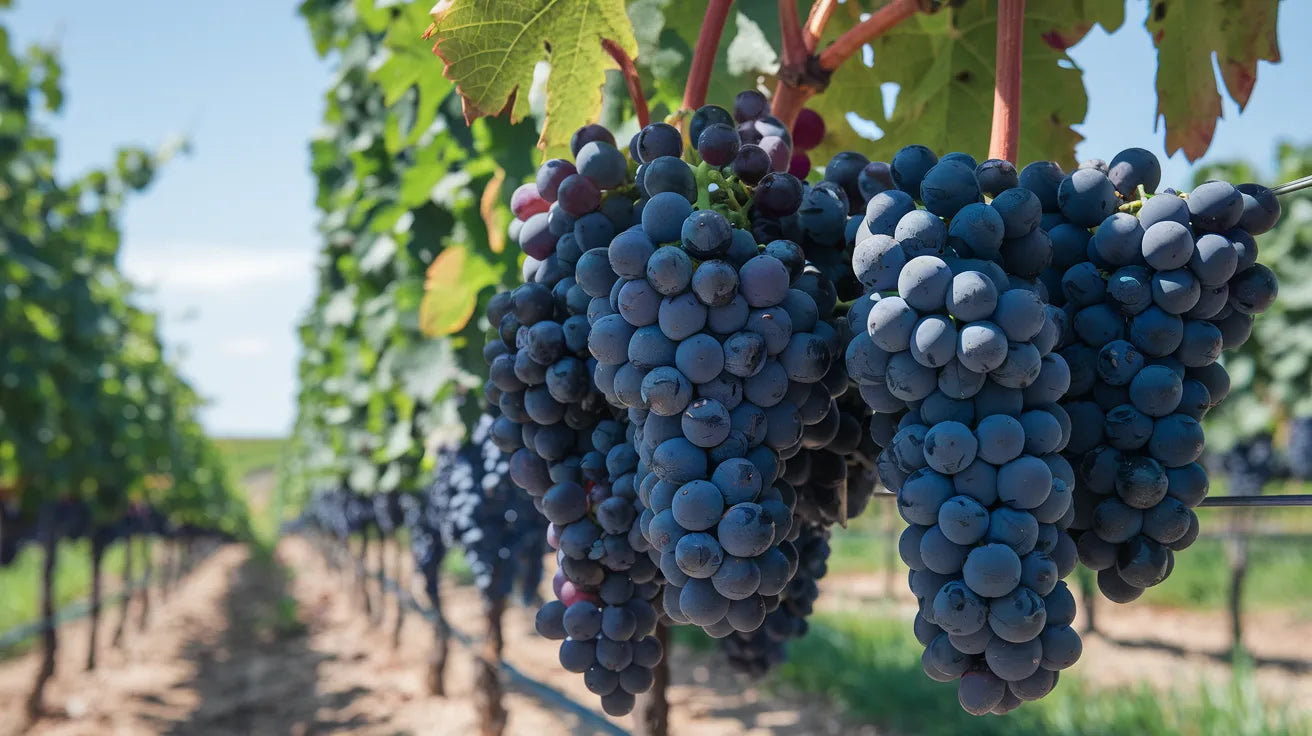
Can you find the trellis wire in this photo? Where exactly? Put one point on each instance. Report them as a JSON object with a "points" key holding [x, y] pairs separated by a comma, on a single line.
{"points": [[1224, 502], [1293, 186]]}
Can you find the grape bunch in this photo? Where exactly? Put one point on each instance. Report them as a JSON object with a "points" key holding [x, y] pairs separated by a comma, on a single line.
{"points": [[426, 547], [757, 652], [748, 142], [1153, 289], [1300, 447], [1251, 464], [607, 609], [480, 511], [540, 373], [569, 452], [834, 473], [707, 341], [957, 356]]}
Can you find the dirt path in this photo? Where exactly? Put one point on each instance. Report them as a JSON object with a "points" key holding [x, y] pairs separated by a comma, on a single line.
{"points": [[732, 706], [243, 648]]}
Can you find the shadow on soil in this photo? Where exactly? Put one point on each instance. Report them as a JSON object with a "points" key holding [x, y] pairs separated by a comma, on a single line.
{"points": [[260, 675]]}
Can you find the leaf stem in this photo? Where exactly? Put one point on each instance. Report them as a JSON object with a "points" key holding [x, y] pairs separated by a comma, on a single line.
{"points": [[631, 80], [791, 30], [703, 56], [866, 31], [1005, 137], [816, 21]]}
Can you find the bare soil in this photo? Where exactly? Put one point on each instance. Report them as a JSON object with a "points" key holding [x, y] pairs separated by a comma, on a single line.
{"points": [[228, 653]]}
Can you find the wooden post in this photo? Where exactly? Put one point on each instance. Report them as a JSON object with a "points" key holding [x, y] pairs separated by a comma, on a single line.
{"points": [[377, 618], [148, 564], [1237, 551], [128, 576], [651, 714], [1088, 597], [441, 636], [97, 556], [890, 552], [487, 678], [49, 635], [362, 573], [403, 573]]}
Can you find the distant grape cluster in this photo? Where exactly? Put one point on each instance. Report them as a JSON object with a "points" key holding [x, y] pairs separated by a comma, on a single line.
{"points": [[480, 511], [1300, 448], [1251, 464]]}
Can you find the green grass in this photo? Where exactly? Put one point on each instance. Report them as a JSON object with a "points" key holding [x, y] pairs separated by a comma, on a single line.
{"points": [[1279, 576], [20, 601], [869, 664], [246, 455]]}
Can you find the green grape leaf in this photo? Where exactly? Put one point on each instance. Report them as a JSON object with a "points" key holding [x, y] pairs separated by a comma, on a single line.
{"points": [[491, 47], [424, 368], [1239, 33], [943, 65], [451, 290]]}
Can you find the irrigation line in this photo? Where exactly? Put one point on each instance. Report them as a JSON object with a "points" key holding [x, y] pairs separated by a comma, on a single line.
{"points": [[75, 611], [544, 692], [68, 613]]}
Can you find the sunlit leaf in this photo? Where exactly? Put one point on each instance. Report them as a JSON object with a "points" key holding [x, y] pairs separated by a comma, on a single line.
{"points": [[491, 48], [1239, 33]]}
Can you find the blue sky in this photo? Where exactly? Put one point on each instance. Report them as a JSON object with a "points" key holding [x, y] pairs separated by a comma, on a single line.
{"points": [[225, 240]]}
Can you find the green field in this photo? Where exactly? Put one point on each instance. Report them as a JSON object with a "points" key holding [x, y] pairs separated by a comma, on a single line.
{"points": [[245, 455]]}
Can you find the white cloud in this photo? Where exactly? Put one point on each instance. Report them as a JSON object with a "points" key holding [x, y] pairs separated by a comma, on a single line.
{"points": [[248, 346], [216, 269]]}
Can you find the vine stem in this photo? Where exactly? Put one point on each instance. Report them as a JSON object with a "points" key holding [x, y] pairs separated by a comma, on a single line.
{"points": [[631, 80], [866, 31], [791, 30], [816, 21], [1005, 137], [703, 56], [794, 89]]}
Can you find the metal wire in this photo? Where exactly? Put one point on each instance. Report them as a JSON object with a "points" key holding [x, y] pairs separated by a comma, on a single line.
{"points": [[1221, 502], [1293, 186], [1226, 502]]}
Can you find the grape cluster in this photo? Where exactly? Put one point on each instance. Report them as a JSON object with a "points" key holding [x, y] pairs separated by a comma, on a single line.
{"points": [[1251, 464], [749, 142], [606, 609], [1300, 447], [712, 347], [480, 511], [569, 452], [757, 652], [426, 547], [957, 355], [1153, 289]]}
